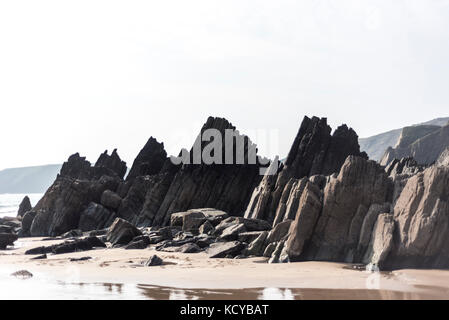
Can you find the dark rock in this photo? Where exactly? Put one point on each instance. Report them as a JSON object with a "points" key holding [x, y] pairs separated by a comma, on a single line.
{"points": [[41, 257], [192, 220], [27, 220], [250, 236], [276, 255], [113, 163], [256, 247], [223, 249], [232, 233], [226, 223], [256, 224], [157, 239], [6, 229], [39, 250], [22, 274], [279, 232], [149, 161], [214, 216], [403, 166], [224, 187], [206, 228], [7, 239], [122, 232], [96, 233], [80, 259], [270, 249], [249, 224], [204, 242], [154, 261], [78, 245], [72, 234], [111, 200], [189, 248], [95, 217], [77, 185], [137, 244], [24, 207]]}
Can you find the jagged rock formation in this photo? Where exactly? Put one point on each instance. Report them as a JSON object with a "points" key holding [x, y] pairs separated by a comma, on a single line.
{"points": [[77, 185], [179, 188], [24, 207], [423, 143], [326, 202], [328, 221], [314, 152], [149, 161], [90, 197], [363, 215]]}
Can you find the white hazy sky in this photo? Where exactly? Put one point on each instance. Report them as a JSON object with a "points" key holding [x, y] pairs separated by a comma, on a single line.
{"points": [[85, 76]]}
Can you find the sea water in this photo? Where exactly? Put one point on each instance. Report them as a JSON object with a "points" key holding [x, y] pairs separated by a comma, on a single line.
{"points": [[9, 203]]}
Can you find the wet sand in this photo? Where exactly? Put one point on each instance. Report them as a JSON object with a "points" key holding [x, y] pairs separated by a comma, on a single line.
{"points": [[119, 274]]}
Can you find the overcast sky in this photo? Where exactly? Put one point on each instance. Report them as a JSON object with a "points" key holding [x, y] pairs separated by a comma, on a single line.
{"points": [[86, 76]]}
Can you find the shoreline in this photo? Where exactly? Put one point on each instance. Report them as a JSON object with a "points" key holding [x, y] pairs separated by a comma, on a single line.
{"points": [[196, 272]]}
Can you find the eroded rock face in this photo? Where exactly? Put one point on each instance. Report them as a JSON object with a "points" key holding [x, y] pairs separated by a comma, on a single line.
{"points": [[421, 214], [301, 230], [381, 241], [423, 143], [329, 222], [314, 152], [346, 201], [77, 185]]}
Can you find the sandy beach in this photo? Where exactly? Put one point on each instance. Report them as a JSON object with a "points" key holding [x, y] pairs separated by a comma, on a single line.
{"points": [[118, 273]]}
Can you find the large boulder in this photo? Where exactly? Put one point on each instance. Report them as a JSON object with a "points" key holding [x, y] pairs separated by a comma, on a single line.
{"points": [[225, 249], [122, 232], [257, 246], [111, 200], [7, 239]]}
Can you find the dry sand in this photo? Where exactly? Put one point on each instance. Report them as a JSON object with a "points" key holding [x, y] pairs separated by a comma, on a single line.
{"points": [[226, 277]]}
